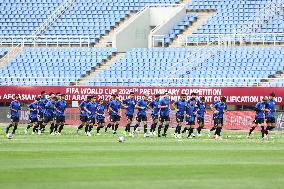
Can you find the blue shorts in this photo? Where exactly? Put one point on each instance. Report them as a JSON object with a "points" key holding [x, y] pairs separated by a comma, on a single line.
{"points": [[179, 118], [15, 118], [154, 117], [33, 119]]}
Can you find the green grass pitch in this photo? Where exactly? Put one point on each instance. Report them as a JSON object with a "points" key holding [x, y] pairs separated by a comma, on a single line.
{"points": [[76, 161]]}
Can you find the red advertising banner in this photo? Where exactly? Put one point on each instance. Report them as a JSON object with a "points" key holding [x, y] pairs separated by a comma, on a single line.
{"points": [[235, 95], [241, 120]]}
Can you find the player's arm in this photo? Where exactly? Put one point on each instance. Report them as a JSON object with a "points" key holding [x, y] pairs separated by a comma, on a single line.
{"points": [[150, 106], [161, 106], [87, 110], [175, 106], [123, 104], [56, 106]]}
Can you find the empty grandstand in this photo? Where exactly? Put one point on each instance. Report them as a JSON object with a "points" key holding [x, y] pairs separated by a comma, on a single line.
{"points": [[218, 62]]}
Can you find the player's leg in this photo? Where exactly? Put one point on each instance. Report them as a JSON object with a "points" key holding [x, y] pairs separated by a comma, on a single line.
{"points": [[254, 125], [52, 126], [30, 124], [167, 123], [153, 125], [162, 119], [35, 127], [62, 123], [185, 129], [144, 119], [116, 124], [263, 131], [10, 125], [109, 124], [178, 124], [129, 119], [16, 122], [91, 125], [83, 123], [219, 128], [200, 122], [178, 128], [40, 122], [270, 125], [215, 125], [100, 125], [190, 130], [56, 124]]}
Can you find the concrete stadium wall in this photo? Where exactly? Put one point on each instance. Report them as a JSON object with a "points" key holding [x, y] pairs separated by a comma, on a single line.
{"points": [[177, 15], [135, 34]]}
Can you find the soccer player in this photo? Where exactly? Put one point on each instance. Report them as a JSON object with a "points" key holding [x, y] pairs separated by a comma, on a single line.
{"points": [[215, 117], [270, 114], [112, 97], [154, 105], [142, 115], [129, 104], [15, 107], [200, 115], [220, 108], [92, 110], [33, 116], [190, 117], [164, 106], [259, 117], [41, 109], [48, 115], [180, 107], [100, 116], [115, 113], [84, 115], [60, 106]]}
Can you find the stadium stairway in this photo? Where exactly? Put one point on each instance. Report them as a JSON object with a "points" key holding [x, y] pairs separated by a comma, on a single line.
{"points": [[106, 40], [11, 54], [202, 18], [100, 68]]}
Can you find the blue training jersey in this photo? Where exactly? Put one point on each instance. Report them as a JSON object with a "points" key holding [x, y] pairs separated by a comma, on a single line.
{"points": [[201, 110], [92, 108], [155, 107], [61, 106], [41, 105], [115, 106], [82, 106], [131, 105], [15, 106], [100, 112], [190, 110], [215, 115], [181, 106], [270, 105], [33, 110], [259, 110], [221, 109], [165, 112], [49, 109], [142, 107]]}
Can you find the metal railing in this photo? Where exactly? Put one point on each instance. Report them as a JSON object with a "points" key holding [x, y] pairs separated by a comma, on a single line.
{"points": [[48, 40], [235, 39], [53, 17], [178, 82]]}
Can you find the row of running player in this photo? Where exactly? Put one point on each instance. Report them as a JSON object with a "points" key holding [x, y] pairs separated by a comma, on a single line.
{"points": [[44, 111]]}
